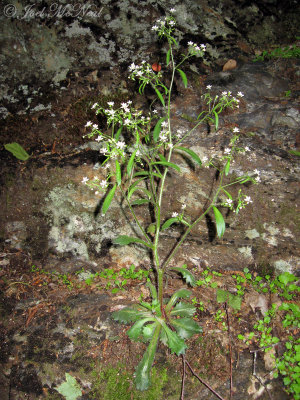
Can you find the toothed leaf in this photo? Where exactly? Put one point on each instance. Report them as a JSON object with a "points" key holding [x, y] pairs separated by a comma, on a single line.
{"points": [[186, 327], [183, 310], [136, 330], [187, 275]]}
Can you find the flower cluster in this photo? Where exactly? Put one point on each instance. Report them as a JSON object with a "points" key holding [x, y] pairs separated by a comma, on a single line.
{"points": [[95, 183], [165, 26], [195, 50], [239, 204], [226, 99], [145, 74]]}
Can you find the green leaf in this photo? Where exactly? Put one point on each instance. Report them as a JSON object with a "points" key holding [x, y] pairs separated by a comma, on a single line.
{"points": [[153, 290], [151, 228], [168, 57], [118, 133], [187, 275], [186, 327], [157, 129], [17, 150], [294, 153], [130, 163], [219, 221], [286, 277], [136, 330], [129, 314], [139, 202], [179, 294], [148, 330], [175, 343], [228, 194], [142, 380], [183, 77], [191, 153], [233, 301], [227, 167], [216, 119], [124, 240], [169, 222], [134, 187], [70, 389], [167, 164], [183, 310], [222, 295], [108, 199], [159, 95], [118, 173]]}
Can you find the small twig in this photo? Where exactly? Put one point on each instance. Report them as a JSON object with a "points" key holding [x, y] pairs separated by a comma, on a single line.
{"points": [[203, 382], [183, 377], [19, 283], [230, 352]]}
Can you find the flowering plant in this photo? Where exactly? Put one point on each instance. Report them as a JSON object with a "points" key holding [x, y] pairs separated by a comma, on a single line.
{"points": [[138, 167]]}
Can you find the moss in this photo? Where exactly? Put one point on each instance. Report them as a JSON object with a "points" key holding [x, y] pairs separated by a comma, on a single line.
{"points": [[116, 384]]}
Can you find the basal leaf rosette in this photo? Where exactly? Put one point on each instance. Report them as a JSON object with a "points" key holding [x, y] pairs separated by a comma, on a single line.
{"points": [[171, 324]]}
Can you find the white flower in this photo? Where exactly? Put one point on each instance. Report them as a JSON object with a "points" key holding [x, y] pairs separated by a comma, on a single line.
{"points": [[240, 94], [95, 126], [94, 105], [171, 23], [208, 87], [132, 67], [110, 112], [163, 138], [197, 48], [228, 202], [154, 28], [155, 111], [129, 102], [164, 124], [106, 166], [248, 200], [227, 150], [120, 145], [224, 93], [175, 214], [190, 43], [127, 121], [85, 179], [257, 179], [172, 10], [103, 150], [204, 159], [111, 103], [236, 130], [103, 183], [203, 47], [247, 148], [89, 123], [183, 206], [256, 171], [99, 138]]}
